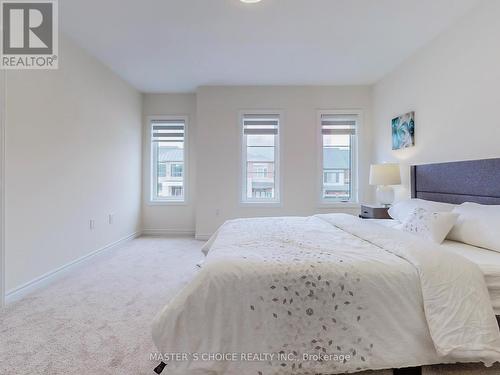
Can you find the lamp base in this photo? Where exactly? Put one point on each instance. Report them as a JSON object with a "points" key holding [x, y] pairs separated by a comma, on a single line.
{"points": [[385, 195]]}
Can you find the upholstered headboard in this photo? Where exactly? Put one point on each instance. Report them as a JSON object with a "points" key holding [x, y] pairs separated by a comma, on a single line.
{"points": [[457, 182]]}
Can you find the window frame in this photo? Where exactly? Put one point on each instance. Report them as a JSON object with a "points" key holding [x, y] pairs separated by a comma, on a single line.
{"points": [[153, 178], [354, 201], [243, 200]]}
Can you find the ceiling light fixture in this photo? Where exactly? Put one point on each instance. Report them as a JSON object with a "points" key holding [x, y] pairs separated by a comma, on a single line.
{"points": [[250, 1]]}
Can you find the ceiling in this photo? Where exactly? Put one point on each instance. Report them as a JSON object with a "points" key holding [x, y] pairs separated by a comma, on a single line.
{"points": [[178, 45]]}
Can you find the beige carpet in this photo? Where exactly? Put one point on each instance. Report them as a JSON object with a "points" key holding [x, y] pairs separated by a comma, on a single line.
{"points": [[96, 321]]}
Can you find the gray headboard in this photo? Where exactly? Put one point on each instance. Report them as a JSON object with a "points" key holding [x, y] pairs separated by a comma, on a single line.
{"points": [[457, 182]]}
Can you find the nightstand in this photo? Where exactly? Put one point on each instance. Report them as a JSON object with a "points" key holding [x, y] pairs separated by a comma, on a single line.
{"points": [[369, 211]]}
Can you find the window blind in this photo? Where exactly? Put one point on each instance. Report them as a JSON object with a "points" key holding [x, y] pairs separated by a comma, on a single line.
{"points": [[260, 124], [168, 130], [338, 124]]}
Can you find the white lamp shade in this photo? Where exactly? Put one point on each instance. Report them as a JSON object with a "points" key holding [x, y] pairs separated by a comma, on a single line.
{"points": [[385, 174]]}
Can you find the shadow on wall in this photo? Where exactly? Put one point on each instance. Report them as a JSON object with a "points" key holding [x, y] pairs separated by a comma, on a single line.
{"points": [[402, 192]]}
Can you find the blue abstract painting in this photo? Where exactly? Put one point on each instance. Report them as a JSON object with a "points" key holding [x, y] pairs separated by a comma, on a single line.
{"points": [[403, 131]]}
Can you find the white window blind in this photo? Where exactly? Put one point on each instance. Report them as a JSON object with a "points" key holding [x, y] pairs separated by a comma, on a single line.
{"points": [[260, 124], [168, 131], [338, 124]]}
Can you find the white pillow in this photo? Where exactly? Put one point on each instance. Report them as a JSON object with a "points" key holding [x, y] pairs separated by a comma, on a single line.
{"points": [[478, 225], [401, 210], [433, 226]]}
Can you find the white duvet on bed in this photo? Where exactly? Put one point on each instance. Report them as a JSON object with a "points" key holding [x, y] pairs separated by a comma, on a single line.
{"points": [[329, 284]]}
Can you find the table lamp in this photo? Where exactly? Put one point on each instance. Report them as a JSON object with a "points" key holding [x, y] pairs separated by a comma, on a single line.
{"points": [[384, 175]]}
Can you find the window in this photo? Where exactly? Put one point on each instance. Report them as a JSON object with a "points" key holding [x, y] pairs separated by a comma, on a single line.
{"points": [[260, 155], [176, 191], [336, 177], [262, 193], [176, 170], [162, 169], [167, 159], [261, 170], [338, 157]]}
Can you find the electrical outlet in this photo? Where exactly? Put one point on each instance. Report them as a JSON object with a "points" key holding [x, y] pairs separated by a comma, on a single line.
{"points": [[91, 224], [111, 218], [217, 212]]}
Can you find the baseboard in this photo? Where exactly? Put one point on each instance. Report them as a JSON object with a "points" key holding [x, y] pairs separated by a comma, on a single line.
{"points": [[202, 237], [168, 232], [21, 291]]}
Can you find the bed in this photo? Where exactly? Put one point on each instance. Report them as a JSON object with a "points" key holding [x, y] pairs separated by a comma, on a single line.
{"points": [[334, 294], [488, 262]]}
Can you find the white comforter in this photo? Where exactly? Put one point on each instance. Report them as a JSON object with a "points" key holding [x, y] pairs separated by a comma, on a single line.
{"points": [[361, 295]]}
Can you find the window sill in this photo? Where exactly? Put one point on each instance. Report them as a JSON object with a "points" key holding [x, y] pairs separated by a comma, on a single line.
{"points": [[261, 204], [167, 203]]}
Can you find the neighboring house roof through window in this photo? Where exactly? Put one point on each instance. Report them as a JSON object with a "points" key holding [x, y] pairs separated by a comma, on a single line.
{"points": [[260, 154], [170, 154]]}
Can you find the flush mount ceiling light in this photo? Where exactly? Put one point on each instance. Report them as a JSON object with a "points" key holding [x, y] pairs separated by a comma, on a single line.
{"points": [[250, 1]]}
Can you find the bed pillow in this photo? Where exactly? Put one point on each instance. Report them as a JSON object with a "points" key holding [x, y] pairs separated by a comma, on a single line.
{"points": [[478, 225], [433, 226], [401, 210]]}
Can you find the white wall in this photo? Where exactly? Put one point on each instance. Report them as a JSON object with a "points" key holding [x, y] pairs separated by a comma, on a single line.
{"points": [[218, 148], [453, 85], [73, 153], [164, 218]]}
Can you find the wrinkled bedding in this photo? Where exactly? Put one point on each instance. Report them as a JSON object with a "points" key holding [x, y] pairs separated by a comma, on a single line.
{"points": [[325, 294]]}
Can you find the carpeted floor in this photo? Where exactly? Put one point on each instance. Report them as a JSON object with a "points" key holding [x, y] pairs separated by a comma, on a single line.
{"points": [[96, 320]]}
